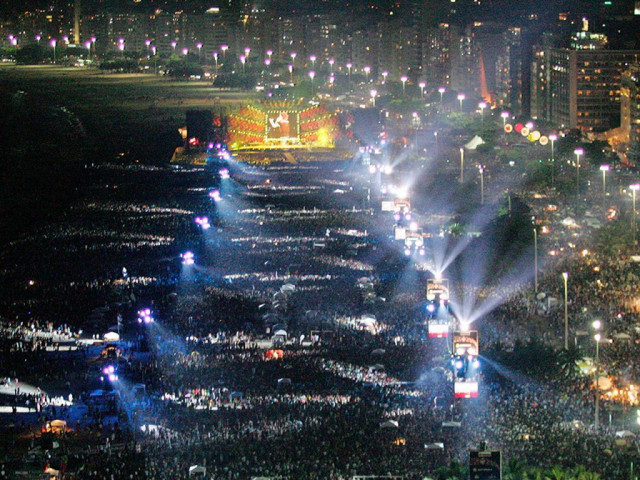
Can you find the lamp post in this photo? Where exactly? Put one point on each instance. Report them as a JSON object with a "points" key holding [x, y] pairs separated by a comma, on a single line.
{"points": [[403, 79], [54, 42], [565, 276], [293, 58], [331, 62], [596, 325], [604, 169], [121, 48], [349, 65], [313, 60], [215, 59], [243, 60], [481, 169], [441, 90], [223, 49], [174, 44], [578, 152], [504, 116], [461, 97], [367, 71], [535, 258], [461, 165], [373, 94], [482, 106], [38, 37], [553, 137], [147, 43], [185, 51], [634, 188], [312, 74], [199, 47], [87, 45], [154, 51], [422, 85], [269, 54], [290, 67], [384, 77]]}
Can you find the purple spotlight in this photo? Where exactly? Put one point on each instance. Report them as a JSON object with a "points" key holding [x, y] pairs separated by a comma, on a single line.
{"points": [[188, 258], [113, 377], [431, 308], [224, 173], [215, 195]]}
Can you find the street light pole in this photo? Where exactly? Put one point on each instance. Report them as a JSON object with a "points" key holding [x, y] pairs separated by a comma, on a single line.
{"points": [[403, 79], [596, 325], [634, 188], [481, 168], [461, 97], [604, 169], [482, 106], [565, 276], [535, 259], [578, 152], [553, 137], [461, 165]]}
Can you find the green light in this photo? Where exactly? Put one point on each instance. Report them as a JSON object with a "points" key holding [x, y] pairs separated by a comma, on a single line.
{"points": [[608, 2]]}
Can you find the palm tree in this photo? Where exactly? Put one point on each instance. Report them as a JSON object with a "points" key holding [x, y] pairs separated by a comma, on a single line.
{"points": [[556, 473], [515, 469], [568, 361]]}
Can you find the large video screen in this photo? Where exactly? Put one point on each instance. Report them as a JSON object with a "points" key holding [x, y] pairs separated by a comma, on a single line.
{"points": [[465, 343], [465, 388], [281, 125]]}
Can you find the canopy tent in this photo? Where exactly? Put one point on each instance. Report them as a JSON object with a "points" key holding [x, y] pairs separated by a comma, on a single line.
{"points": [[288, 287], [197, 469], [474, 143], [452, 424], [111, 337], [379, 351], [622, 336], [625, 434], [434, 446], [367, 319], [284, 381], [389, 424], [280, 332]]}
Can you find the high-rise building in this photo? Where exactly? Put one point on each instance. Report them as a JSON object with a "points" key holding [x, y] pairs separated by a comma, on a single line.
{"points": [[630, 110], [582, 83]]}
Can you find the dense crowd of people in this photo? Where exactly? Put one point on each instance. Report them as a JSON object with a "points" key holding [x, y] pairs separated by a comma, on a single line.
{"points": [[358, 387]]}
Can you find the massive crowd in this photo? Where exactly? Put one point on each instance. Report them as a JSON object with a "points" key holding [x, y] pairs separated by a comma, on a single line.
{"points": [[344, 398]]}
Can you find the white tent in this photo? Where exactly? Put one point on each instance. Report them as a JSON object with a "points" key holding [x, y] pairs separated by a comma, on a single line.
{"points": [[389, 424], [284, 381], [194, 469], [379, 351], [622, 336], [368, 320], [111, 337], [625, 434], [281, 333], [452, 424], [434, 446], [473, 143], [288, 287]]}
